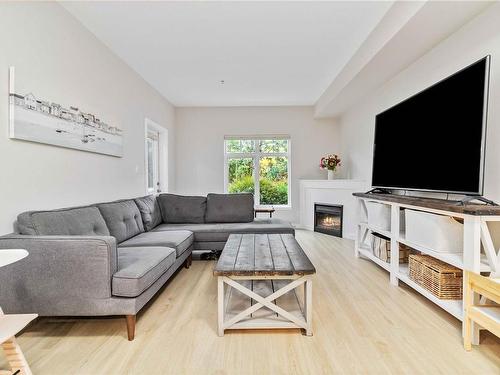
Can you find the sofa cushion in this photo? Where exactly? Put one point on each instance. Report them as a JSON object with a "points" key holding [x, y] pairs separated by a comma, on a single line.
{"points": [[180, 240], [182, 209], [122, 218], [230, 208], [78, 221], [139, 268], [150, 211], [212, 232]]}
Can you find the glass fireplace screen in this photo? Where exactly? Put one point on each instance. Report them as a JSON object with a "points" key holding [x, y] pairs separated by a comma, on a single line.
{"points": [[328, 219]]}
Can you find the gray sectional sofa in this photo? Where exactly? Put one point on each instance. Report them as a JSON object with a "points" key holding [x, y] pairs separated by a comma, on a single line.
{"points": [[111, 258]]}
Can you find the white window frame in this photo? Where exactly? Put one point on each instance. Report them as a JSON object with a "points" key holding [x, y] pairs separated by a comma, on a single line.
{"points": [[256, 156], [160, 170]]}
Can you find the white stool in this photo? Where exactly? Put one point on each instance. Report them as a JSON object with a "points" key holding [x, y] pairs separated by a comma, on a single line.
{"points": [[12, 324]]}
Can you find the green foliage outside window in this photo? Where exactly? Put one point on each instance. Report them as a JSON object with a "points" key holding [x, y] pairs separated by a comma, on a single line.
{"points": [[242, 185], [240, 145], [273, 192], [240, 168], [273, 178]]}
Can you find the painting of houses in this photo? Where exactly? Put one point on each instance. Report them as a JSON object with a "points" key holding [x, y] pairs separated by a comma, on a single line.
{"points": [[40, 120]]}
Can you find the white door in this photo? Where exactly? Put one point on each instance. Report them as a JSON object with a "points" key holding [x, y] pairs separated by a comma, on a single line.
{"points": [[153, 162]]}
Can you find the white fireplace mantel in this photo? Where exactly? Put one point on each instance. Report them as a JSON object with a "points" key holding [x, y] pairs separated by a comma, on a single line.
{"points": [[333, 192]]}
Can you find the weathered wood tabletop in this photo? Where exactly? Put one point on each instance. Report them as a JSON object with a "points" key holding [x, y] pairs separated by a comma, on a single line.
{"points": [[437, 204], [263, 255]]}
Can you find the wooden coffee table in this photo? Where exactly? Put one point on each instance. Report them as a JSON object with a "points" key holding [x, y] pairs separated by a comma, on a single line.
{"points": [[263, 273]]}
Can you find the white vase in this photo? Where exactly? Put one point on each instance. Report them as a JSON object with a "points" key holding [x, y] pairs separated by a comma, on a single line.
{"points": [[331, 174]]}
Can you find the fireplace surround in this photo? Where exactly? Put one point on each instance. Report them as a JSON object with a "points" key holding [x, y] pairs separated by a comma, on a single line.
{"points": [[328, 218]]}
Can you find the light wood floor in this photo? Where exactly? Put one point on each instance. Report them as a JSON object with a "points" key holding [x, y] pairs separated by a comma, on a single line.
{"points": [[361, 325]]}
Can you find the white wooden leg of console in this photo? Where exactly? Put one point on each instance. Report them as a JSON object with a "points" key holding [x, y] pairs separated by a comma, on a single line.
{"points": [[395, 222], [357, 239], [472, 260]]}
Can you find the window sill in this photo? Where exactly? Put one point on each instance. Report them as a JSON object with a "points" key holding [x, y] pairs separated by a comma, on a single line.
{"points": [[283, 208]]}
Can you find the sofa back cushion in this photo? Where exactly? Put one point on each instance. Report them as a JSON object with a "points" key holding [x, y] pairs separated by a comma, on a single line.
{"points": [[122, 218], [230, 208], [77, 221], [180, 209], [150, 211]]}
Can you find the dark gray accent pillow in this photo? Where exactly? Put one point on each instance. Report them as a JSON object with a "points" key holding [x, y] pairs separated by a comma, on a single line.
{"points": [[150, 211], [230, 208], [180, 209], [122, 218], [76, 221]]}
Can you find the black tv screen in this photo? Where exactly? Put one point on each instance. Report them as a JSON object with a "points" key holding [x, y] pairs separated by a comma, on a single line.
{"points": [[435, 140]]}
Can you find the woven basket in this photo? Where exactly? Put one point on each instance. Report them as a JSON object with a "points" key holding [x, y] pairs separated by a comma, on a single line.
{"points": [[439, 278]]}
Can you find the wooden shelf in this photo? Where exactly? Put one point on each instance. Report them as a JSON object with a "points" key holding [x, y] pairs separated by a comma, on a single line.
{"points": [[366, 252], [455, 259], [454, 307], [375, 230]]}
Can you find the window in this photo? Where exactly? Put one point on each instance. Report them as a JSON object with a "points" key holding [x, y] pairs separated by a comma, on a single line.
{"points": [[156, 157], [259, 165]]}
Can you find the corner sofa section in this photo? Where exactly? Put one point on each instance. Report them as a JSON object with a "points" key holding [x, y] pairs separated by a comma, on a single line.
{"points": [[111, 258], [213, 218]]}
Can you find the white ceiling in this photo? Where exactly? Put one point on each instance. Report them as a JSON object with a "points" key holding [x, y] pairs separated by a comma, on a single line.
{"points": [[268, 53]]}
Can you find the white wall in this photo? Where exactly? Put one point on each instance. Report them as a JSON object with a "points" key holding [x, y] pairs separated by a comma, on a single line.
{"points": [[200, 144], [475, 40], [57, 58]]}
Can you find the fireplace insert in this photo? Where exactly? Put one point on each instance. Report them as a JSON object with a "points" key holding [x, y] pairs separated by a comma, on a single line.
{"points": [[328, 219]]}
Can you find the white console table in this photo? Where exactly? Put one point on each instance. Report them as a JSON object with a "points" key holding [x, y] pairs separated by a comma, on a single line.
{"points": [[479, 254]]}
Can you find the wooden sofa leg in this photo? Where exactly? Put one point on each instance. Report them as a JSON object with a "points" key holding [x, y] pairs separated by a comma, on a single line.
{"points": [[189, 261], [130, 326]]}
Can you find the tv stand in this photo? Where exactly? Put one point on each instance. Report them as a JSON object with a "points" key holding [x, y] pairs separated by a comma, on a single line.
{"points": [[470, 198], [478, 253], [378, 191]]}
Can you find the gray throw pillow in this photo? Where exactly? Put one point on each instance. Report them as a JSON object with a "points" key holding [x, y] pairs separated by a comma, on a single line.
{"points": [[230, 208], [150, 211], [180, 209]]}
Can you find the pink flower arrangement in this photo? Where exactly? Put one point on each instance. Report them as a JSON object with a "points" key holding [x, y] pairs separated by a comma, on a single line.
{"points": [[330, 162]]}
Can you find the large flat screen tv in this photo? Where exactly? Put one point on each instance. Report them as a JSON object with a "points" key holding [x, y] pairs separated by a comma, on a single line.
{"points": [[435, 140]]}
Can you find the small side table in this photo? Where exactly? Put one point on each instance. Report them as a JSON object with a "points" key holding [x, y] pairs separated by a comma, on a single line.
{"points": [[266, 210], [12, 324]]}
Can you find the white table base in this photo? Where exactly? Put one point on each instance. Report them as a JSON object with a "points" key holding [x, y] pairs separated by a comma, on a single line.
{"points": [[284, 308]]}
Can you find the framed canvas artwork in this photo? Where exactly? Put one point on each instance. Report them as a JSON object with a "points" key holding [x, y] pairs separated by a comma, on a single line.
{"points": [[36, 119]]}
